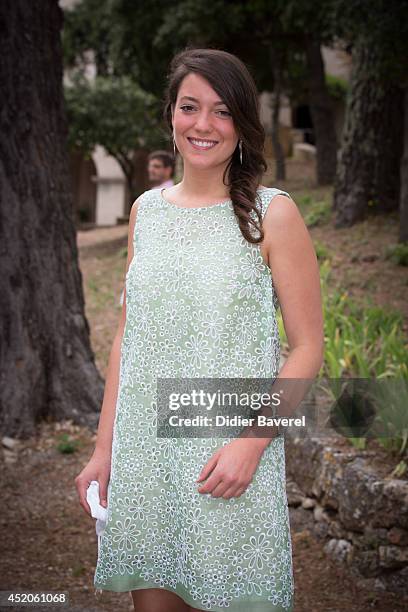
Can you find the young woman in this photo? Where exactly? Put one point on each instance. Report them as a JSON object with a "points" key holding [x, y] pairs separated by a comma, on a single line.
{"points": [[203, 523]]}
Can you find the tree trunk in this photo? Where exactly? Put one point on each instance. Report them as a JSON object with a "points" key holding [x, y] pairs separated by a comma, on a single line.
{"points": [[321, 110], [403, 228], [46, 362], [390, 143], [140, 177], [280, 173], [367, 174]]}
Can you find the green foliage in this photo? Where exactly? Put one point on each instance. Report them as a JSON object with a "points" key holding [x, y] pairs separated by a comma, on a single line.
{"points": [[398, 253], [305, 200], [122, 38], [67, 445], [364, 342], [322, 252], [310, 18], [337, 87], [391, 406], [88, 26], [379, 25], [113, 112], [399, 470], [318, 213], [361, 341]]}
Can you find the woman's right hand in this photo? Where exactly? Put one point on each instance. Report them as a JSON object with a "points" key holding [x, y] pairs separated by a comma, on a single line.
{"points": [[98, 468]]}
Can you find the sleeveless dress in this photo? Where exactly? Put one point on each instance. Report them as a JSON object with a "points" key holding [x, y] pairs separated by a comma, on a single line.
{"points": [[200, 302]]}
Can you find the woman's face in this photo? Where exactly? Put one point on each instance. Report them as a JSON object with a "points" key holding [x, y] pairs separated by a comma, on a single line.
{"points": [[203, 127]]}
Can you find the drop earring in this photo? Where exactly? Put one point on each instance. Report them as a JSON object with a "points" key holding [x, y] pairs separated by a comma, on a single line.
{"points": [[240, 151], [174, 146]]}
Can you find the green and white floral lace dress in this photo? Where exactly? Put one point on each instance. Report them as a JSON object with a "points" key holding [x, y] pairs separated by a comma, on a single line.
{"points": [[200, 302]]}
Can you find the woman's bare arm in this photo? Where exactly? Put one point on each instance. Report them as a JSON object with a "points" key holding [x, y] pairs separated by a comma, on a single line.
{"points": [[288, 250], [296, 277], [107, 417]]}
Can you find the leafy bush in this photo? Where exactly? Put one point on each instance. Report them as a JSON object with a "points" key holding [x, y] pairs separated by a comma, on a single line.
{"points": [[364, 342], [398, 253], [318, 214]]}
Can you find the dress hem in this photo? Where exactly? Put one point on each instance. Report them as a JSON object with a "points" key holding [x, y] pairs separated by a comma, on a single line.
{"points": [[237, 606]]}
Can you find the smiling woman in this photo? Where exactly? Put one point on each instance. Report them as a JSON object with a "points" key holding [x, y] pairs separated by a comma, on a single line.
{"points": [[203, 523], [214, 117]]}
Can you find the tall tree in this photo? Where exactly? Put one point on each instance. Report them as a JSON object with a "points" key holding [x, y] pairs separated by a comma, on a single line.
{"points": [[46, 361], [369, 165], [322, 112]]}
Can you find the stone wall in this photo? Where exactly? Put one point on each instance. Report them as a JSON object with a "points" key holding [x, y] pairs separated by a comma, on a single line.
{"points": [[362, 516]]}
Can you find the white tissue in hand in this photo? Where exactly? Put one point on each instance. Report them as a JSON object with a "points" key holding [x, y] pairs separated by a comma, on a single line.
{"points": [[97, 511]]}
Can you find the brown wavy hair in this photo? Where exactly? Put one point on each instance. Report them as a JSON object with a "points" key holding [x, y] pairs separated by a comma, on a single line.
{"points": [[231, 79]]}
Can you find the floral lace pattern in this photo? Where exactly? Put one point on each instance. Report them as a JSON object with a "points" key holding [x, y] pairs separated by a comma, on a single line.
{"points": [[200, 302]]}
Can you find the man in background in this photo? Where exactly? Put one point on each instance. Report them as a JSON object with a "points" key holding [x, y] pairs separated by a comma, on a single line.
{"points": [[161, 166]]}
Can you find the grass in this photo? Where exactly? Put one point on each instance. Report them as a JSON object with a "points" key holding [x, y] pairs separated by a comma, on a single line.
{"points": [[366, 341], [398, 253]]}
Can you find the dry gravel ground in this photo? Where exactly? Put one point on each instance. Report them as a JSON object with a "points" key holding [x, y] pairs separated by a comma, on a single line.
{"points": [[49, 543]]}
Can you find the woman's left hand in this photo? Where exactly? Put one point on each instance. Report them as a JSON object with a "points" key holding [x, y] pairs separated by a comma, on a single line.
{"points": [[232, 468]]}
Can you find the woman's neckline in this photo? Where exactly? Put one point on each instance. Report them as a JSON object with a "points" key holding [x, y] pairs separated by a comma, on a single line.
{"points": [[192, 207], [224, 203]]}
